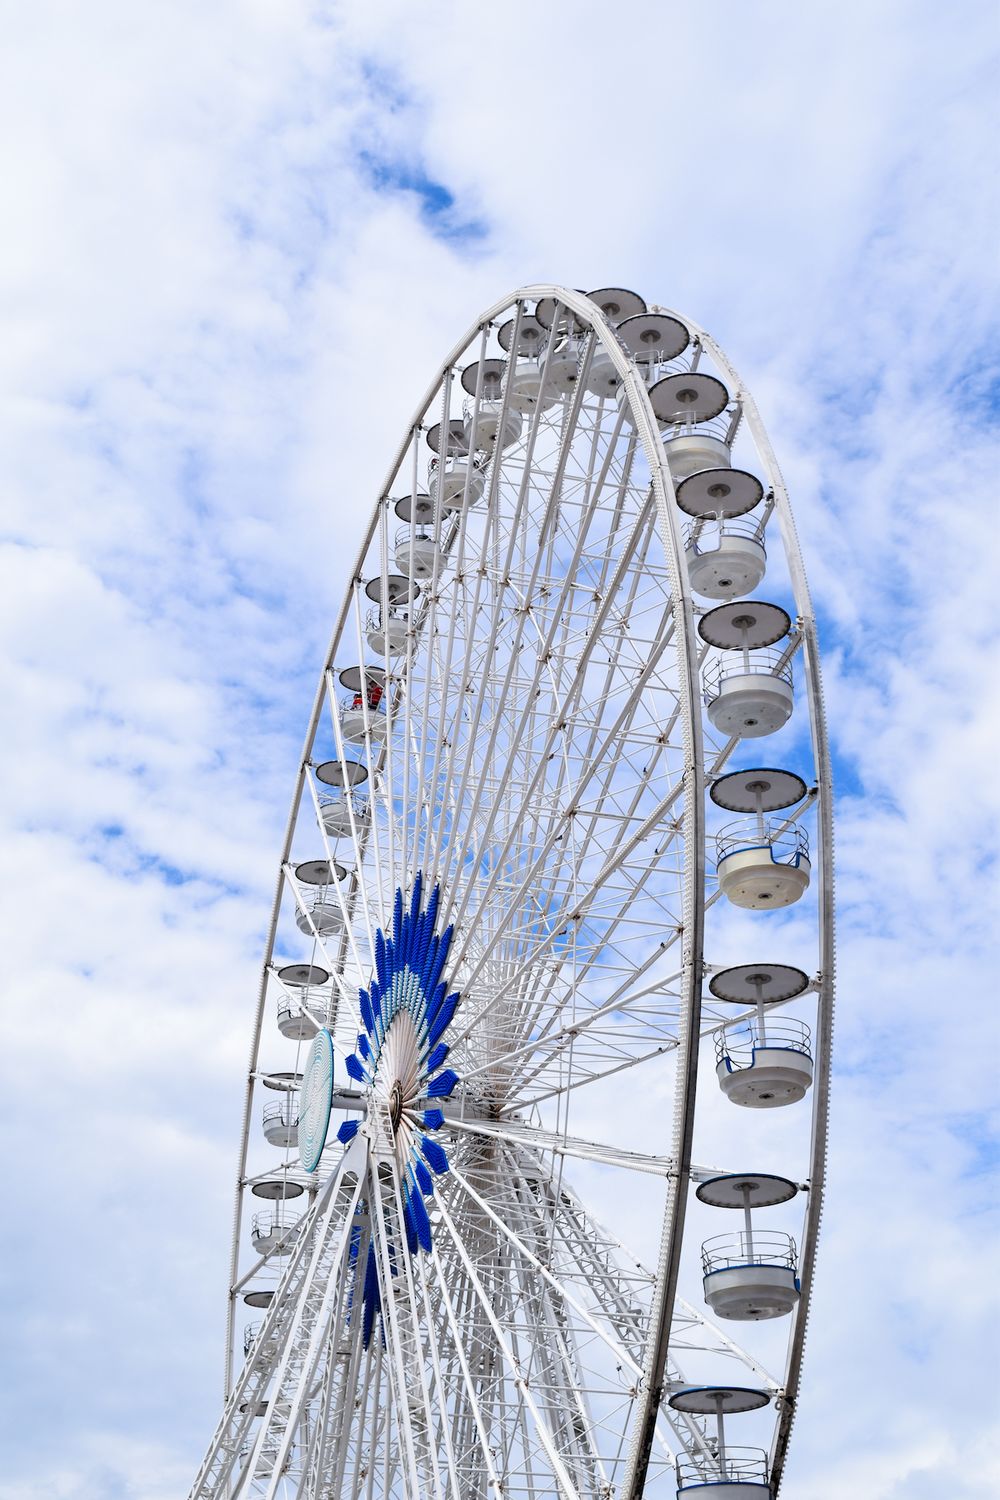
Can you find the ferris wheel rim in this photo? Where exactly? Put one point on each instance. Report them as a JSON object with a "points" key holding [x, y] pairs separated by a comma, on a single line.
{"points": [[827, 901]]}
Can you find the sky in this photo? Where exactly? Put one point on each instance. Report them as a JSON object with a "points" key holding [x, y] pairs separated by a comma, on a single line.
{"points": [[238, 241]]}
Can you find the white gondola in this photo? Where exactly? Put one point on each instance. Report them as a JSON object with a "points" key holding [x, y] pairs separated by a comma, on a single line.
{"points": [[267, 1458], [281, 1081], [749, 1278], [281, 1121], [277, 1189], [272, 1234], [455, 443], [306, 997], [618, 303], [386, 632], [259, 1410], [252, 1340], [725, 559], [526, 391], [554, 315], [748, 688], [563, 367], [653, 338], [524, 380], [418, 552], [356, 725], [753, 1274], [339, 815], [761, 864], [319, 906], [602, 376], [386, 629], [532, 336], [259, 1297], [751, 695], [690, 452], [689, 409], [719, 491], [763, 1063], [762, 1060], [742, 1476], [717, 1470], [363, 713], [322, 912], [294, 1022], [491, 425], [461, 481]]}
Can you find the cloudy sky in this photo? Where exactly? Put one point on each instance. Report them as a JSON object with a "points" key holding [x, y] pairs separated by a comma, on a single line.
{"points": [[238, 239]]}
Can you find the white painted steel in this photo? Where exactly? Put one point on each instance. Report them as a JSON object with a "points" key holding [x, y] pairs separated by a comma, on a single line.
{"points": [[540, 750]]}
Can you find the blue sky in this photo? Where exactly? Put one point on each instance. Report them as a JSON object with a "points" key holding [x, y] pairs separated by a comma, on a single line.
{"points": [[239, 241]]}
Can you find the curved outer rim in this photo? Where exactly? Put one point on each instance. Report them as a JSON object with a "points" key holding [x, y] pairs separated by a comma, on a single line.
{"points": [[648, 431], [824, 847]]}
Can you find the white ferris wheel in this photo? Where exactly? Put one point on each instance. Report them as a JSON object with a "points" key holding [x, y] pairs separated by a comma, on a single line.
{"points": [[549, 971]]}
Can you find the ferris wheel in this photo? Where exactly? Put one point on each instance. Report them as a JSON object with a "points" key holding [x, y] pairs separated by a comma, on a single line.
{"points": [[533, 1151]]}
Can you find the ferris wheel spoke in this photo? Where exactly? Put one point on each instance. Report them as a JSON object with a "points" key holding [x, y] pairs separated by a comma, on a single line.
{"points": [[530, 1258], [705, 1329], [535, 1138], [578, 1260], [316, 1245], [546, 1041], [530, 687], [616, 1285], [327, 1451], [549, 941], [505, 1352], [469, 1412], [611, 866], [497, 610], [295, 1377], [292, 1335], [527, 793], [400, 1321], [469, 611], [601, 1248], [553, 1368], [611, 786], [546, 850], [435, 1326], [605, 960], [590, 1246]]}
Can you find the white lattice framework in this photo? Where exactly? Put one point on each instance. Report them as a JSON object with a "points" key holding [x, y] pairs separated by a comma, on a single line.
{"points": [[540, 752]]}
